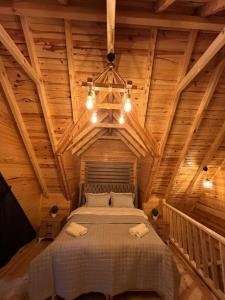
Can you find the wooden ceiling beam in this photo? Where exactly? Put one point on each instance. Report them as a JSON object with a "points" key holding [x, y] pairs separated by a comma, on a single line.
{"points": [[163, 5], [212, 7], [175, 100], [150, 62], [211, 51], [8, 91], [208, 157], [69, 51], [44, 102], [109, 125], [10, 45], [138, 18], [213, 82]]}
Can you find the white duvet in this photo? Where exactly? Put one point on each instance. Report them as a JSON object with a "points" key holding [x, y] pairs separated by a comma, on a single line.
{"points": [[110, 211]]}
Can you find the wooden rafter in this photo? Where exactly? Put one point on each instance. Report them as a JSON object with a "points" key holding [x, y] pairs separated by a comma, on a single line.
{"points": [[9, 44], [84, 131], [146, 135], [69, 50], [174, 103], [133, 133], [211, 51], [85, 140], [87, 146], [213, 82], [132, 141], [212, 7], [150, 58], [128, 144], [208, 157], [147, 19], [43, 100], [163, 5], [7, 88]]}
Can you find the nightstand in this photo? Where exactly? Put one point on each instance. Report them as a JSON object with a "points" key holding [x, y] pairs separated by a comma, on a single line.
{"points": [[50, 227], [162, 228]]}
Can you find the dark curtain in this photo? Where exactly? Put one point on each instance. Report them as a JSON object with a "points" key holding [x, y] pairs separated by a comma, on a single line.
{"points": [[15, 228]]}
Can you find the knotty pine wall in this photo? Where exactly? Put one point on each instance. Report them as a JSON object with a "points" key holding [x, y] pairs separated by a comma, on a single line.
{"points": [[213, 200], [16, 168], [108, 150]]}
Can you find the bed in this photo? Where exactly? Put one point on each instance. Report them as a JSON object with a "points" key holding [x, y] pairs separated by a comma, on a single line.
{"points": [[107, 259]]}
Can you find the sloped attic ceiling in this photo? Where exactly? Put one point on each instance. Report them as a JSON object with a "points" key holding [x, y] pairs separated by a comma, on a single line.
{"points": [[178, 114]]}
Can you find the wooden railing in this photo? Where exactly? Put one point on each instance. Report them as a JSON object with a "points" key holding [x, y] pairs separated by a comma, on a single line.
{"points": [[203, 248]]}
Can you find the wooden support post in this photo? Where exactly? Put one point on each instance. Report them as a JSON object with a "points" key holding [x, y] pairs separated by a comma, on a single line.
{"points": [[7, 88], [111, 14]]}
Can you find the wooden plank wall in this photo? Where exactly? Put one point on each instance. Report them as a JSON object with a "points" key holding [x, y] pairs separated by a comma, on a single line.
{"points": [[16, 168], [108, 151]]}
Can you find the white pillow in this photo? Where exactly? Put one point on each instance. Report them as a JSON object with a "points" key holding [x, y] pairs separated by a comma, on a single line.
{"points": [[97, 200], [122, 199]]}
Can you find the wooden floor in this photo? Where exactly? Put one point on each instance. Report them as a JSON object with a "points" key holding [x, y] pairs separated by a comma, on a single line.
{"points": [[13, 280]]}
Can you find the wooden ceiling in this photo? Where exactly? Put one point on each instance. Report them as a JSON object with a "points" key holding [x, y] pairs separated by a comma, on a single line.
{"points": [[172, 50]]}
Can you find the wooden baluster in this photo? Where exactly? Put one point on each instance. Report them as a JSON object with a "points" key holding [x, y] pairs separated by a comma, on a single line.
{"points": [[184, 235], [190, 240], [179, 232], [213, 259], [196, 247], [205, 262], [222, 257], [171, 225]]}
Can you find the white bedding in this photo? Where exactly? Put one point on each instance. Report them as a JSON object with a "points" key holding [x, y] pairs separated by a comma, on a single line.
{"points": [[110, 211]]}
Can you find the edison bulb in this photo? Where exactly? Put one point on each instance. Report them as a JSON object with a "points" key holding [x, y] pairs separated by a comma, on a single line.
{"points": [[121, 119], [89, 102], [127, 105], [207, 184], [94, 118]]}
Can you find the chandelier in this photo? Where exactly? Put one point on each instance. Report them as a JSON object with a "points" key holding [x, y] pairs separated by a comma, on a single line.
{"points": [[111, 82]]}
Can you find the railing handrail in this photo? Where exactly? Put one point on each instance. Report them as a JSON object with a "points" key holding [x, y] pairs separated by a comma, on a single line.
{"points": [[210, 232]]}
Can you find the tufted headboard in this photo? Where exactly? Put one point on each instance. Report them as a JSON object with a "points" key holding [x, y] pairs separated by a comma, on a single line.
{"points": [[107, 187]]}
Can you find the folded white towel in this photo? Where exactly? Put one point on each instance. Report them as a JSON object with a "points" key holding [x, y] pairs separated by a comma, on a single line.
{"points": [[139, 230], [76, 229]]}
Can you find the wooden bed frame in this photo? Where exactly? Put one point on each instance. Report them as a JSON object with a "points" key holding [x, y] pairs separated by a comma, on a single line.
{"points": [[106, 188]]}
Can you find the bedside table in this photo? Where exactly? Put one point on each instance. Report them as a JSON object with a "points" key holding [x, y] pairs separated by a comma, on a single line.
{"points": [[162, 228], [50, 227]]}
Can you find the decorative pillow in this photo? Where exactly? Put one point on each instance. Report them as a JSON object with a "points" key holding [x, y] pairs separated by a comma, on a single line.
{"points": [[122, 199], [97, 200]]}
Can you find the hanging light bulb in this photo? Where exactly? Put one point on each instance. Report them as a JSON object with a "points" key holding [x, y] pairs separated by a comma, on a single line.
{"points": [[207, 183], [94, 118], [121, 119], [127, 104], [90, 100]]}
